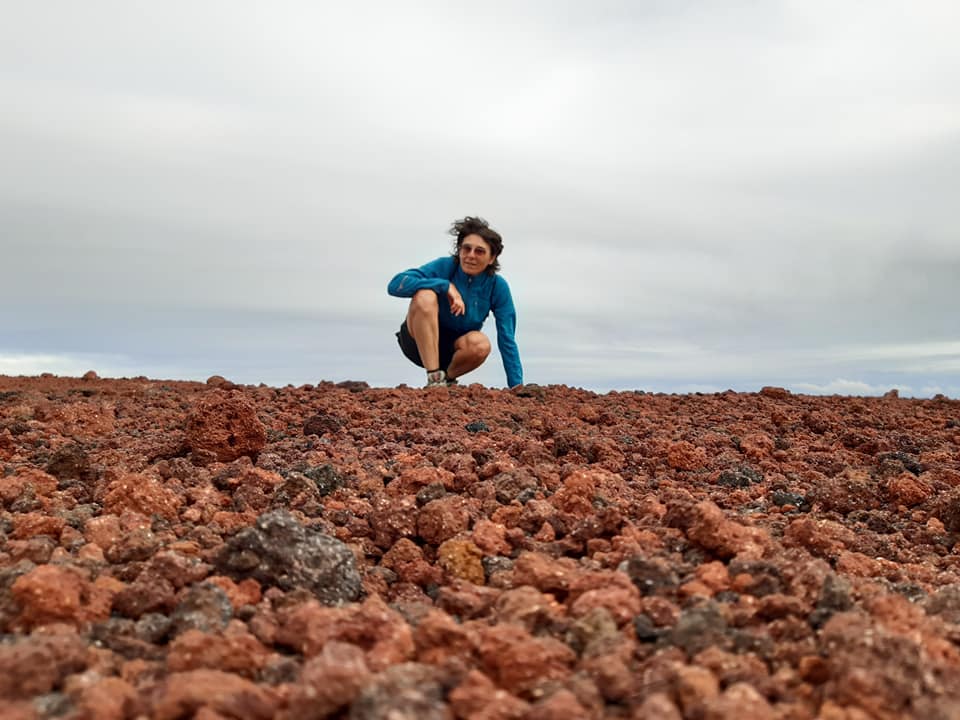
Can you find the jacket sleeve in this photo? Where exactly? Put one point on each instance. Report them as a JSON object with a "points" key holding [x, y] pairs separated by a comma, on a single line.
{"points": [[435, 275], [506, 319]]}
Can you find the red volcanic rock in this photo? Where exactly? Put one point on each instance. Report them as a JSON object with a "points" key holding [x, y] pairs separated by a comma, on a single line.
{"points": [[907, 489], [519, 662], [466, 600], [694, 688], [686, 456], [27, 482], [146, 594], [657, 705], [103, 531], [27, 525], [740, 701], [187, 694], [491, 537], [442, 519], [560, 705], [109, 698], [141, 494], [576, 494], [226, 425], [823, 538], [543, 572], [7, 445], [540, 554], [777, 393], [443, 642], [612, 591], [329, 681], [62, 594], [246, 592], [406, 559], [477, 697], [393, 518], [235, 651], [757, 446], [710, 529], [612, 676], [381, 632], [528, 607], [79, 419], [35, 665], [413, 480], [253, 489]]}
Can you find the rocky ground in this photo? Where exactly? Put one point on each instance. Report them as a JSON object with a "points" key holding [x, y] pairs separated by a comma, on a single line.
{"points": [[186, 550]]}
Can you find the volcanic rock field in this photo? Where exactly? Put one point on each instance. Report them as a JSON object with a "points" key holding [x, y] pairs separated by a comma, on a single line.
{"points": [[207, 550]]}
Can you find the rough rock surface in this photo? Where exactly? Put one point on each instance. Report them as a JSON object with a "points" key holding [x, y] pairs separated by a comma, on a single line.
{"points": [[210, 550], [280, 551], [226, 425]]}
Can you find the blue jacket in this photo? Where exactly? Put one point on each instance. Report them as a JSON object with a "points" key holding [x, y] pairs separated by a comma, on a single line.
{"points": [[481, 294]]}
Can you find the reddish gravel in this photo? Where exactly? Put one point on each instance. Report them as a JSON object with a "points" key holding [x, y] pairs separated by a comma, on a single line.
{"points": [[176, 550]]}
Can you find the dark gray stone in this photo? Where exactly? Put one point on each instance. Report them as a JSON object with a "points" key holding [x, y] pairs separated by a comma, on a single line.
{"points": [[782, 497], [280, 551], [765, 577], [900, 460], [945, 602], [740, 477], [326, 478], [152, 628], [512, 483], [834, 597], [650, 575], [322, 424], [433, 491], [204, 607], [698, 628], [496, 563], [409, 691], [644, 629]]}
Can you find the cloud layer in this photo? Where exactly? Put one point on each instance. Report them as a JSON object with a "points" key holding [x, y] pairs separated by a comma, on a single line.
{"points": [[691, 194]]}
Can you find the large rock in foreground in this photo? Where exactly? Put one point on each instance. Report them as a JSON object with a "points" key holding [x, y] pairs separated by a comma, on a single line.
{"points": [[280, 551]]}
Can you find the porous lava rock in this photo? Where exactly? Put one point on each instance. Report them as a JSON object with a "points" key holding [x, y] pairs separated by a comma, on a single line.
{"points": [[226, 425], [172, 549], [280, 551]]}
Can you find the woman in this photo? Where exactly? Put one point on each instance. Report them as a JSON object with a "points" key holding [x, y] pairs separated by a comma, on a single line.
{"points": [[451, 297]]}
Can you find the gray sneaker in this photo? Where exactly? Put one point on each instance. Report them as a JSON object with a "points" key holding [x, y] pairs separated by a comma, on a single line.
{"points": [[437, 378]]}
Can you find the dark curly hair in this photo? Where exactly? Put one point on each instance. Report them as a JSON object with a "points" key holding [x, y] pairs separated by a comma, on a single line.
{"points": [[477, 226]]}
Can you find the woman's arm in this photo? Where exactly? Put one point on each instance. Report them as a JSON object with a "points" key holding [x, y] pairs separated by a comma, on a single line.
{"points": [[435, 275], [505, 315]]}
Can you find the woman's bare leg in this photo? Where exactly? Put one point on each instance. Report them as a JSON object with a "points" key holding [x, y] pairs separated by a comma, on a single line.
{"points": [[424, 326], [469, 352]]}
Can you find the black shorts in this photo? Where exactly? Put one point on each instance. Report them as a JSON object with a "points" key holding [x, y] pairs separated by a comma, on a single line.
{"points": [[409, 346]]}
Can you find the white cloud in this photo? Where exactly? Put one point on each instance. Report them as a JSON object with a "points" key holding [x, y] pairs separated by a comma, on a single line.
{"points": [[842, 386], [106, 366], [26, 364]]}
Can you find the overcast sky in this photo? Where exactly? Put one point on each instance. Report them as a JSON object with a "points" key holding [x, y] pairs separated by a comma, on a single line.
{"points": [[693, 195]]}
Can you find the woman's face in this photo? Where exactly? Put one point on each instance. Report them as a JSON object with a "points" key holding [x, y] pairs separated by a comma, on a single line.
{"points": [[475, 255]]}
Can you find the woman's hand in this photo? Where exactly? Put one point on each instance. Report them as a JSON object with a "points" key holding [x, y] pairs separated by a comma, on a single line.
{"points": [[456, 300]]}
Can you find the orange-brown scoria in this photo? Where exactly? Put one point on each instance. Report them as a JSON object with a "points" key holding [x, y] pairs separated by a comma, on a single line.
{"points": [[174, 549]]}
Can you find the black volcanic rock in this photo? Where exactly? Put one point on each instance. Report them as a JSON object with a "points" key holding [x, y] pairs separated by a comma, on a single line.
{"points": [[280, 551]]}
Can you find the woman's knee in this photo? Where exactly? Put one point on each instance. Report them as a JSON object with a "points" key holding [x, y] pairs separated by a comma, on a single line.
{"points": [[424, 301], [478, 344]]}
